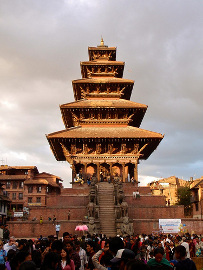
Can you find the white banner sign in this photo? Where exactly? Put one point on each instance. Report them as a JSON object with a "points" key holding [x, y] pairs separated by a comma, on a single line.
{"points": [[18, 214], [169, 225]]}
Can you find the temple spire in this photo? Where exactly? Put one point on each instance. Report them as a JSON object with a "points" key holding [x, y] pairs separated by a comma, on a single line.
{"points": [[102, 43]]}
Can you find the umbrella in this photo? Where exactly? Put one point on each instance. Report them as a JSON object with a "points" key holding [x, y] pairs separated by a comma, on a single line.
{"points": [[81, 228]]}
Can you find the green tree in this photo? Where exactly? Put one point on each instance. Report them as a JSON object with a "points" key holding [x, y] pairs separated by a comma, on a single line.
{"points": [[184, 198]]}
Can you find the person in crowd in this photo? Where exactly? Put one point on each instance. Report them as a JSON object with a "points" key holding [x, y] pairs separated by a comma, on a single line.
{"points": [[115, 244], [122, 257], [19, 258], [159, 262], [82, 254], [183, 263], [1, 232], [28, 265], [186, 245], [12, 244], [6, 234], [57, 228], [73, 255], [66, 238], [66, 262], [3, 255], [136, 264], [10, 255], [102, 259], [192, 248], [171, 252], [143, 251], [57, 246], [21, 245], [197, 247], [90, 252], [51, 261]]}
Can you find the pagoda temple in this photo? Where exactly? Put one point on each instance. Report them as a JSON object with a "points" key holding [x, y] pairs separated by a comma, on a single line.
{"points": [[102, 136], [103, 142]]}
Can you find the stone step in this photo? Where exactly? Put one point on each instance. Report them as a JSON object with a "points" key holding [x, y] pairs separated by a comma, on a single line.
{"points": [[106, 212], [105, 189], [106, 208]]}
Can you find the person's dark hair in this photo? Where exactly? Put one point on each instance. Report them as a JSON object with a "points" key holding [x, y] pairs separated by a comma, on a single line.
{"points": [[106, 259], [28, 265], [107, 242], [158, 251], [71, 243], [57, 245], [36, 257], [18, 259], [50, 261], [77, 243], [67, 256], [115, 244], [11, 253], [66, 234], [91, 243], [136, 264], [21, 242], [181, 250]]}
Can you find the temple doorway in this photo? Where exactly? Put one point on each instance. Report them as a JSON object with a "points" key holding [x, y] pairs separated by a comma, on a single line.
{"points": [[117, 170], [91, 170], [80, 172], [129, 172], [104, 172]]}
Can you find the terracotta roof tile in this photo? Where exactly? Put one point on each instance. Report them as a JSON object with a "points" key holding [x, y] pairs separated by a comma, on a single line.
{"points": [[117, 103], [100, 62], [105, 132], [103, 80]]}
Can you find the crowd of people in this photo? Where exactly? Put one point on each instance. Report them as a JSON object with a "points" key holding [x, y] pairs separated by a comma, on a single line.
{"points": [[99, 252]]}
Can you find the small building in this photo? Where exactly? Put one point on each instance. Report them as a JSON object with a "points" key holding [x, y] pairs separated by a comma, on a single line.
{"points": [[196, 188], [4, 201], [168, 187], [38, 188], [25, 187]]}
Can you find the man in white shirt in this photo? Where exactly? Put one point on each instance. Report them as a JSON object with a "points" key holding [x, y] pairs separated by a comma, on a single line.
{"points": [[12, 244], [57, 227], [83, 255], [186, 245]]}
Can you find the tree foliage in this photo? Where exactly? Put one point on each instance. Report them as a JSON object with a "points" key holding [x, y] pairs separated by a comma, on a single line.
{"points": [[184, 198]]}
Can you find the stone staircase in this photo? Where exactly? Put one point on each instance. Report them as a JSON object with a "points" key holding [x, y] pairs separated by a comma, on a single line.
{"points": [[106, 208]]}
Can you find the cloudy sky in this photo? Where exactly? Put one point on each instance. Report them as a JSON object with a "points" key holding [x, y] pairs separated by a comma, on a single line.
{"points": [[42, 44]]}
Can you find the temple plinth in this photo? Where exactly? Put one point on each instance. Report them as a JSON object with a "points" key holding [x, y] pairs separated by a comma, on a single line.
{"points": [[102, 135]]}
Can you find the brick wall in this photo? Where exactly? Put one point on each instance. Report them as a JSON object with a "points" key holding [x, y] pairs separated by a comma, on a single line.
{"points": [[156, 212], [146, 200]]}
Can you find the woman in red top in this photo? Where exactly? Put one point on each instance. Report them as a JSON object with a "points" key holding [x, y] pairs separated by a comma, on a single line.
{"points": [[66, 262]]}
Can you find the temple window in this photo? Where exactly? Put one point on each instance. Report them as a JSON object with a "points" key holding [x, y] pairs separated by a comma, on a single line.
{"points": [[8, 184], [30, 189], [39, 189], [21, 184], [15, 185], [38, 200], [20, 196]]}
